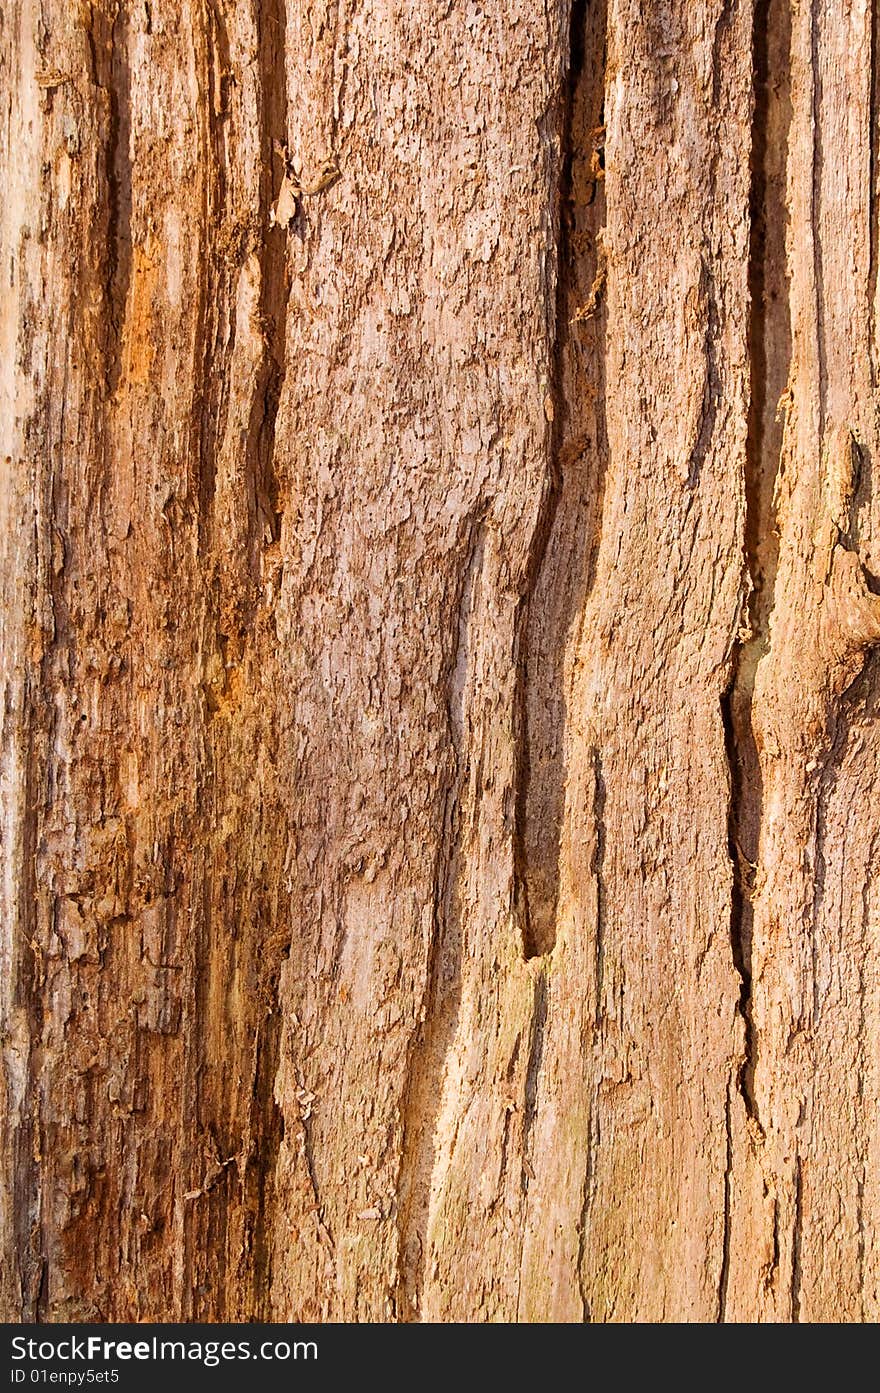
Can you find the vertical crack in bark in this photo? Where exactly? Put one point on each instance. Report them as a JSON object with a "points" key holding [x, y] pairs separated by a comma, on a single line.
{"points": [[216, 318], [563, 547], [266, 1122], [712, 384], [815, 216], [429, 1054], [741, 805], [770, 354], [797, 1241], [598, 870], [274, 279], [264, 1143], [873, 192], [724, 1278], [108, 47], [533, 1074]]}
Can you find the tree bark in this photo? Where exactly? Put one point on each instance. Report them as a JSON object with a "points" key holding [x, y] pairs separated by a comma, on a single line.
{"points": [[440, 612]]}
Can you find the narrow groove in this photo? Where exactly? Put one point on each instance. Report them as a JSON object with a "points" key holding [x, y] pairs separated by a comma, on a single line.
{"points": [[873, 191], [723, 26], [429, 1052], [120, 180], [563, 544], [268, 1129], [815, 217], [724, 1277], [598, 870], [796, 1242], [712, 388], [533, 1074], [770, 357], [214, 320], [274, 280], [740, 909], [586, 1197], [539, 933], [108, 47]]}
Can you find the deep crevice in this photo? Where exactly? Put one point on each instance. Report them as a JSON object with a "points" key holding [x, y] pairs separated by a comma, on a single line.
{"points": [[429, 1049], [108, 48], [268, 1131], [816, 220], [873, 192], [741, 915], [215, 317], [770, 357], [533, 1074], [563, 545], [712, 385], [797, 1242], [274, 279], [724, 1276]]}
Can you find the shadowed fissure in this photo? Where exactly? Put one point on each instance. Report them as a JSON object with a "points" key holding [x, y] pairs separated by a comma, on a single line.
{"points": [[558, 577], [770, 356], [564, 545], [429, 1053], [874, 176], [267, 1118], [107, 39], [274, 281]]}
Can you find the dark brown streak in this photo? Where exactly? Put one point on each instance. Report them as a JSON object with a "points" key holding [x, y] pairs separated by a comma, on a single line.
{"points": [[815, 217], [215, 323], [598, 870], [533, 1073], [873, 189], [434, 1036], [536, 941], [769, 353], [724, 1277], [108, 49], [712, 388], [562, 551], [797, 1242], [274, 283]]}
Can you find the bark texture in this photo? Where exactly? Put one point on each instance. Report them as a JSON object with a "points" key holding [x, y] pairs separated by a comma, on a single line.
{"points": [[440, 609]]}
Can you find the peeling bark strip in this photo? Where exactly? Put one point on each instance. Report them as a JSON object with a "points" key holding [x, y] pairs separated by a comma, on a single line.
{"points": [[438, 638]]}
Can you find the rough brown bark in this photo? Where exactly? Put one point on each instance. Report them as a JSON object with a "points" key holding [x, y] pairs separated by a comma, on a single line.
{"points": [[439, 753]]}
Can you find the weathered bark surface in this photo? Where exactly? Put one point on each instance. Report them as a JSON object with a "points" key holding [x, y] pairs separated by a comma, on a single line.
{"points": [[440, 754]]}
